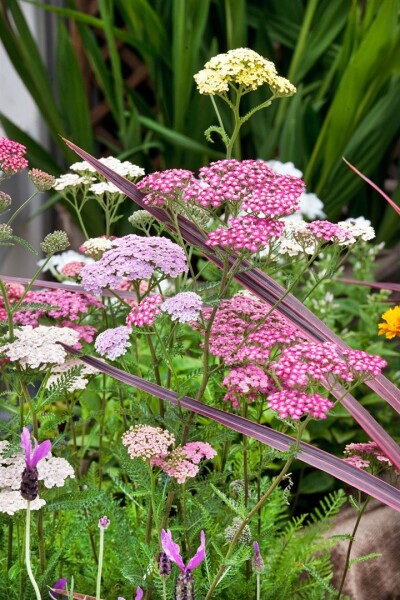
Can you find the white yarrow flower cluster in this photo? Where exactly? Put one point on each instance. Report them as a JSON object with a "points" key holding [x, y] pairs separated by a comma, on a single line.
{"points": [[52, 471], [38, 347], [360, 228], [125, 168], [95, 247], [104, 187], [79, 381], [70, 180]]}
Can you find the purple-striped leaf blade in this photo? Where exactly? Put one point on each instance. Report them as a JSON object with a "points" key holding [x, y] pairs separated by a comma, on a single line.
{"points": [[279, 441], [270, 291]]}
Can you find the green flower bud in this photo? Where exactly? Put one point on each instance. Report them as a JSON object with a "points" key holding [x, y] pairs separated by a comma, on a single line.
{"points": [[6, 232], [140, 219], [55, 242], [41, 180], [5, 201]]}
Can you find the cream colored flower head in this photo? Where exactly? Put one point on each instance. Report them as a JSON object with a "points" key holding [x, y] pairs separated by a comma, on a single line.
{"points": [[241, 67], [281, 87]]}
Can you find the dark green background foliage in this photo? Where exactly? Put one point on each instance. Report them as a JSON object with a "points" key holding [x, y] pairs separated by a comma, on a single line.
{"points": [[343, 56]]}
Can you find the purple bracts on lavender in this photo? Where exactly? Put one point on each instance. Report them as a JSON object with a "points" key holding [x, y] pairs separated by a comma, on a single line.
{"points": [[33, 456], [29, 478], [258, 563], [60, 585], [113, 343], [173, 551], [134, 258], [183, 307]]}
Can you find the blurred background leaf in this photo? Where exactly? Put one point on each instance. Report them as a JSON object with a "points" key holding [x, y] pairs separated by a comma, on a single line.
{"points": [[126, 87]]}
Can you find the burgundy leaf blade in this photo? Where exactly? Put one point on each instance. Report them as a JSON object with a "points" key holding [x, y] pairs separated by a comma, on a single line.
{"points": [[373, 185], [270, 291], [308, 454], [379, 285]]}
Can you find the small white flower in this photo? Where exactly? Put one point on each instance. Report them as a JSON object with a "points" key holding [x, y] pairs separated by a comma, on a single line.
{"points": [[311, 207], [70, 180], [360, 228], [80, 167], [38, 347], [96, 246], [104, 187], [126, 169], [287, 168]]}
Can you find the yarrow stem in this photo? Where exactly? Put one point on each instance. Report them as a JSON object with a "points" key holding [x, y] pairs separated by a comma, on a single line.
{"points": [[258, 507], [361, 511], [15, 215], [28, 551]]}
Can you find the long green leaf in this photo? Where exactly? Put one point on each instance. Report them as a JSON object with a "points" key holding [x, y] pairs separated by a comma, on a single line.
{"points": [[38, 156]]}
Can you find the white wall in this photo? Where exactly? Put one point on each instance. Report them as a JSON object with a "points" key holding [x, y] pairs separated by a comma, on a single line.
{"points": [[18, 106]]}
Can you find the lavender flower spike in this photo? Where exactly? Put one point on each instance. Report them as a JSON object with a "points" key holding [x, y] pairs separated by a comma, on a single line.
{"points": [[139, 594], [40, 451], [173, 552], [59, 586]]}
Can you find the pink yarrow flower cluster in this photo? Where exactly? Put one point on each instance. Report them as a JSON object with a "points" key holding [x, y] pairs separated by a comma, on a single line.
{"points": [[12, 156], [237, 335], [72, 269], [163, 186], [183, 307], [312, 361], [330, 232], [145, 312], [295, 404], [14, 293], [250, 182], [146, 442], [135, 258], [249, 381], [65, 305], [182, 462], [249, 233], [365, 455]]}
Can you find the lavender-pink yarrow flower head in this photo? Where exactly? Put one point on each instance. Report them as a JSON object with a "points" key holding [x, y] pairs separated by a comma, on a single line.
{"points": [[32, 457], [173, 551]]}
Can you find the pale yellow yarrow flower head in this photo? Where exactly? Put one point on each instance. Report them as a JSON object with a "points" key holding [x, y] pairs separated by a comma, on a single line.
{"points": [[240, 67]]}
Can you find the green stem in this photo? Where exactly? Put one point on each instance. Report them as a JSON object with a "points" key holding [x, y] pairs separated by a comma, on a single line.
{"points": [[28, 552], [256, 508], [7, 306], [10, 546], [347, 563], [258, 582], [15, 215], [100, 563], [237, 124], [30, 285]]}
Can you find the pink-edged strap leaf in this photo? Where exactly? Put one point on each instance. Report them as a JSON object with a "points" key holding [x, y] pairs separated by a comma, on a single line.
{"points": [[307, 453]]}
